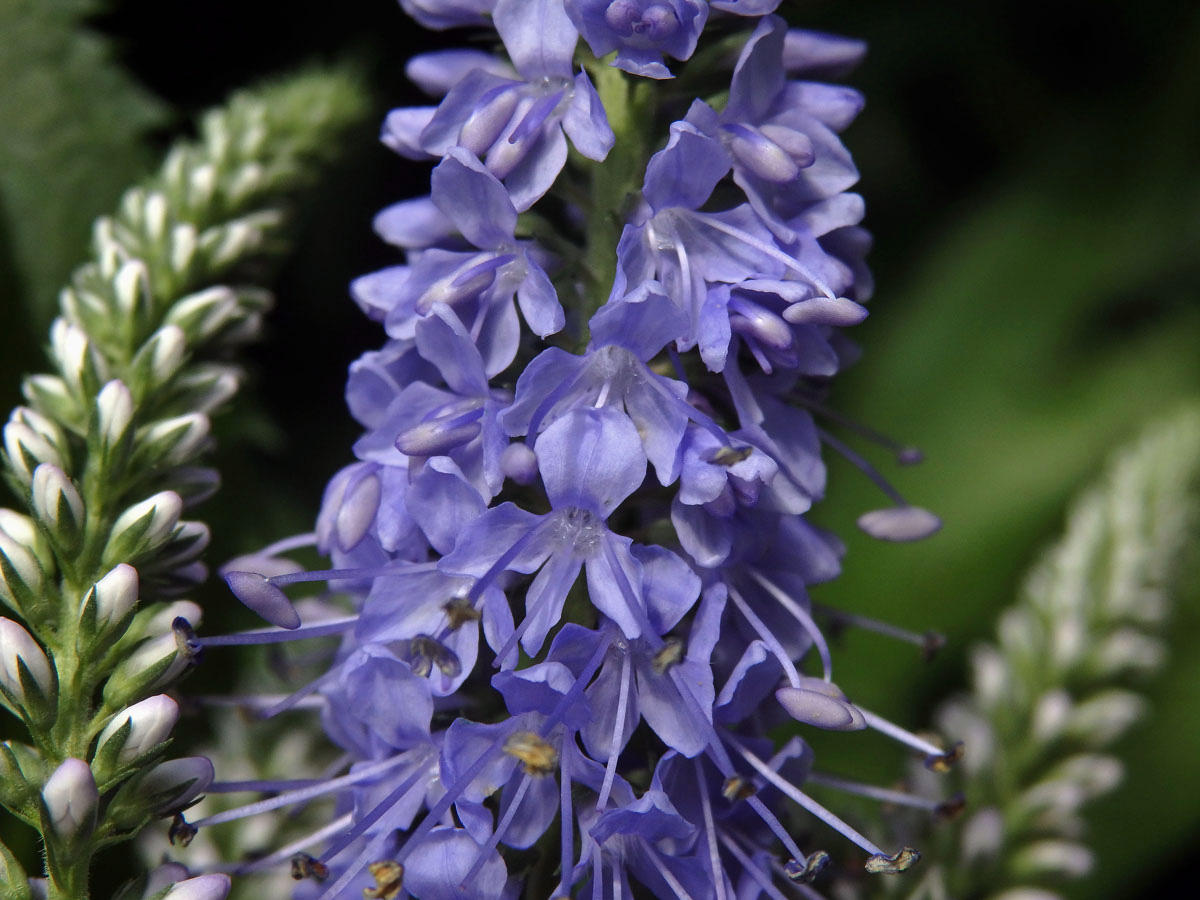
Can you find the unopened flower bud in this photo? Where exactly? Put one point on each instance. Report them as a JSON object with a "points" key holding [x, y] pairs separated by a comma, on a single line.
{"points": [[176, 440], [174, 784], [144, 526], [114, 412], [155, 664], [23, 664], [519, 463], [160, 357], [131, 286], [72, 351], [70, 796], [56, 501], [27, 449], [203, 887], [149, 724], [20, 574], [203, 314], [114, 595]]}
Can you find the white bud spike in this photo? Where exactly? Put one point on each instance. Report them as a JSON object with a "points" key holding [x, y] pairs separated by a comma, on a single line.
{"points": [[163, 508]]}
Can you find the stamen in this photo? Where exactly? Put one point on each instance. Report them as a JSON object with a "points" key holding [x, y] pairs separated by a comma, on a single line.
{"points": [[751, 869], [804, 871], [896, 733], [482, 856], [774, 252], [392, 571], [737, 788], [459, 611], [280, 635], [804, 800], [672, 882], [729, 456], [305, 866], [181, 831], [295, 542], [566, 819], [945, 761], [883, 795], [930, 642], [614, 747], [287, 798], [801, 615], [420, 771], [428, 652], [536, 754], [905, 455], [769, 639], [710, 832], [389, 880], [863, 466], [882, 864], [316, 837], [668, 655]]}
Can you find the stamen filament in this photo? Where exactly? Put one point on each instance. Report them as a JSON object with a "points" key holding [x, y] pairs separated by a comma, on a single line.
{"points": [[290, 850], [801, 615], [896, 733], [710, 832], [614, 749], [863, 466], [810, 805], [280, 635], [883, 795], [295, 542], [774, 252], [751, 869], [765, 635]]}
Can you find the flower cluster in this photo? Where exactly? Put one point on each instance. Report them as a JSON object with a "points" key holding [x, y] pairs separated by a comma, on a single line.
{"points": [[544, 408]]}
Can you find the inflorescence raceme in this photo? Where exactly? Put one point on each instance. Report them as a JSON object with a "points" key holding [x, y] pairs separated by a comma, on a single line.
{"points": [[651, 426]]}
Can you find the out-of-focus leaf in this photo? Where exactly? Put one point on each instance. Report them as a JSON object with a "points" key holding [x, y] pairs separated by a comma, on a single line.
{"points": [[71, 140]]}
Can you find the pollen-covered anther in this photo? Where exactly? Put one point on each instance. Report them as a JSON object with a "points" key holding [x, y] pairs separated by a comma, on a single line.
{"points": [[459, 611], [805, 870], [181, 832], [305, 866], [881, 864], [944, 762], [428, 652], [951, 809], [668, 655], [737, 788], [536, 754], [389, 880], [730, 456]]}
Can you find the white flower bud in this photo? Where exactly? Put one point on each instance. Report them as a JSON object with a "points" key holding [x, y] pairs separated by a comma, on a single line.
{"points": [[1105, 716], [152, 655], [1052, 858], [21, 574], [19, 527], [27, 449], [183, 246], [70, 796], [176, 440], [202, 182], [17, 648], [166, 349], [114, 412], [154, 216], [205, 313], [53, 494], [150, 723], [159, 879], [131, 286], [145, 525], [162, 621], [71, 350], [176, 783], [115, 595], [48, 392], [203, 887]]}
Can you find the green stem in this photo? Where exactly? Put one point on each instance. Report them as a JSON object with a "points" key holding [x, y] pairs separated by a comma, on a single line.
{"points": [[615, 184]]}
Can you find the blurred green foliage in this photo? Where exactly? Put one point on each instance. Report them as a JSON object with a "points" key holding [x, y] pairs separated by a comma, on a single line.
{"points": [[1030, 171]]}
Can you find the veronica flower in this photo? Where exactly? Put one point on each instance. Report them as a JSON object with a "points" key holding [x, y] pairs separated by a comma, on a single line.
{"points": [[517, 124], [590, 460], [643, 31]]}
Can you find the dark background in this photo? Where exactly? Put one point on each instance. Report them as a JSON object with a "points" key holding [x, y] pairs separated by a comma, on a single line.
{"points": [[1031, 176]]}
